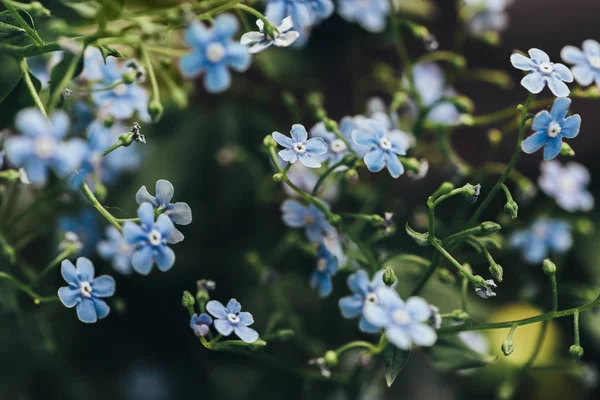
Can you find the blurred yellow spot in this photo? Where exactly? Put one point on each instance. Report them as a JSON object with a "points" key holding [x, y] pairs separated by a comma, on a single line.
{"points": [[525, 338]]}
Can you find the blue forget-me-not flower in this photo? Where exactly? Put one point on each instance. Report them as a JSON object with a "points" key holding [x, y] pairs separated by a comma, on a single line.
{"points": [[116, 250], [85, 226], [150, 241], [405, 323], [200, 324], [385, 147], [542, 72], [259, 41], [327, 266], [364, 292], [544, 237], [213, 51], [303, 12], [550, 128], [297, 215], [586, 68], [567, 185], [299, 147], [180, 213], [84, 291], [371, 15], [39, 148], [305, 179], [232, 319]]}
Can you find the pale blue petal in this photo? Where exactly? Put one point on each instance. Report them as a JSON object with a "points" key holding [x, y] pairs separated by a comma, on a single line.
{"points": [[69, 296], [217, 309], [164, 191], [133, 233], [258, 47], [394, 165], [246, 318], [248, 335], [197, 34], [375, 159], [223, 326], [523, 63], [365, 138], [539, 56], [191, 64], [534, 142], [389, 297], [234, 306], [146, 214], [180, 213], [217, 79], [141, 260], [308, 161], [249, 38], [365, 326], [572, 55], [316, 146], [558, 87], [18, 150], [32, 123], [376, 315], [103, 286], [282, 140], [165, 258], [571, 127], [276, 11], [37, 171], [359, 282], [85, 269], [299, 133], [584, 74], [164, 225], [287, 39], [86, 312], [293, 213], [563, 72], [325, 286], [535, 251], [418, 308], [559, 109], [225, 26], [102, 309], [399, 337], [60, 124], [69, 273], [422, 335], [591, 48], [143, 195], [351, 306], [68, 156], [541, 120], [552, 148], [301, 14], [238, 57], [288, 155], [534, 82], [175, 237]]}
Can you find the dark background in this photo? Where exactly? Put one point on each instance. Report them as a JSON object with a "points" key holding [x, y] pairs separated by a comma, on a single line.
{"points": [[145, 349]]}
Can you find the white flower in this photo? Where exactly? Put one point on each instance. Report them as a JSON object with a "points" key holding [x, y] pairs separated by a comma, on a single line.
{"points": [[259, 40]]}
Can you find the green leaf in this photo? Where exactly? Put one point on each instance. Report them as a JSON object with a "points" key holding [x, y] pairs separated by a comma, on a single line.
{"points": [[18, 98], [394, 359], [422, 239], [61, 71], [450, 353], [9, 26], [85, 9], [109, 51]]}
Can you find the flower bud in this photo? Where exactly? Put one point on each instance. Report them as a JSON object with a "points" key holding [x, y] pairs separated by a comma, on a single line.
{"points": [[445, 276], [268, 141], [187, 300], [466, 120], [389, 276], [257, 344], [155, 109], [491, 38], [494, 136], [508, 347], [352, 176], [108, 121], [444, 188], [584, 226], [335, 220], [411, 164], [471, 192], [460, 315], [566, 150], [576, 352], [549, 267], [489, 227], [463, 103], [511, 208], [129, 77], [330, 125], [278, 177], [496, 271], [331, 358], [399, 100]]}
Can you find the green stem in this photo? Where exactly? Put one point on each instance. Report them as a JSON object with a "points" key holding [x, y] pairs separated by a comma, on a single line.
{"points": [[125, 139], [87, 193], [322, 178], [554, 292], [464, 294], [462, 269], [37, 299], [7, 250], [510, 166], [151, 75], [576, 329], [64, 81], [95, 89], [29, 83], [56, 261], [373, 349], [256, 13]]}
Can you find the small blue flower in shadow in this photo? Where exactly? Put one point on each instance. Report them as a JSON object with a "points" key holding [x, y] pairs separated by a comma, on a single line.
{"points": [[327, 266]]}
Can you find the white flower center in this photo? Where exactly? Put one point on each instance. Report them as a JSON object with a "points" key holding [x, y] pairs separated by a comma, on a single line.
{"points": [[371, 298], [215, 52], [554, 129], [595, 62], [120, 90], [234, 319], [299, 148], [401, 317], [154, 237], [86, 289], [385, 144], [44, 147], [540, 231], [321, 264], [308, 219], [546, 68], [338, 146]]}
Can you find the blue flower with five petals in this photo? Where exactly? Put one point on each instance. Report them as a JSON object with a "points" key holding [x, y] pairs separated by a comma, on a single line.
{"points": [[544, 237], [567, 185], [180, 213], [297, 215], [586, 67], [405, 323], [116, 250], [542, 73], [200, 324], [213, 50], [327, 266], [385, 147], [299, 147], [550, 129], [364, 292], [303, 12], [371, 15], [150, 241], [84, 291], [39, 146], [232, 319]]}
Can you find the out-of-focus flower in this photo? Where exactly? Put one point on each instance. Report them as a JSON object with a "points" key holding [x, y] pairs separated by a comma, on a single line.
{"points": [[542, 72], [283, 38], [371, 15], [232, 319], [327, 266], [550, 129], [84, 292], [213, 51], [39, 146], [303, 12], [116, 250], [544, 237], [150, 241], [586, 68], [364, 292], [297, 215], [41, 65], [567, 185], [85, 226], [180, 213], [486, 16], [305, 179], [299, 147], [385, 147]]}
